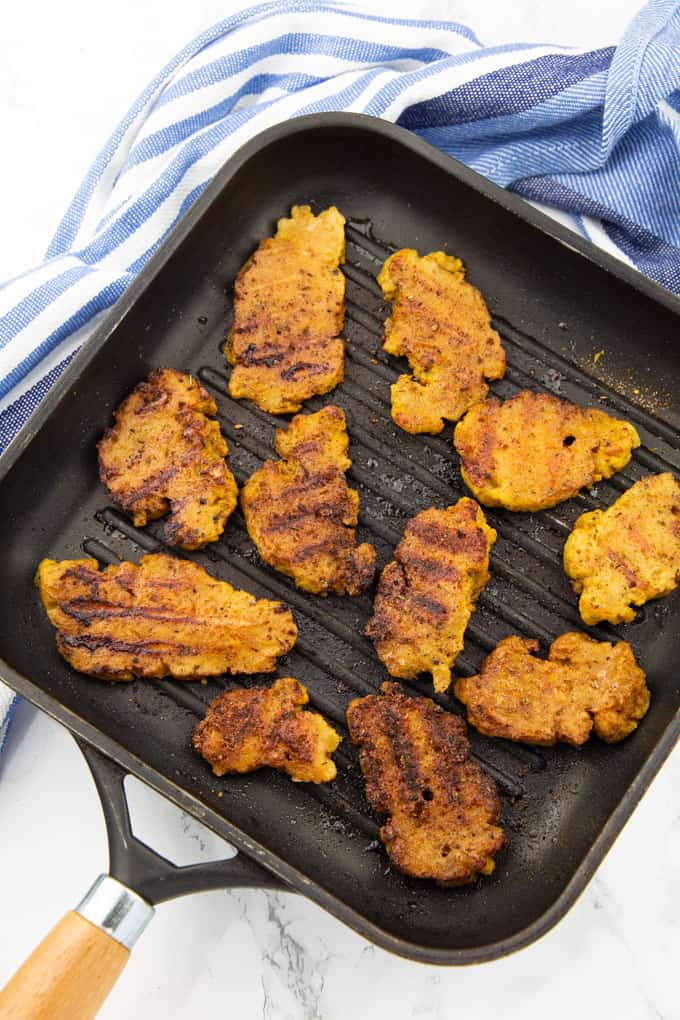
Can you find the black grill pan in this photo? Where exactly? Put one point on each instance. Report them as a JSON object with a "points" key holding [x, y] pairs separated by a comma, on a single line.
{"points": [[556, 300]]}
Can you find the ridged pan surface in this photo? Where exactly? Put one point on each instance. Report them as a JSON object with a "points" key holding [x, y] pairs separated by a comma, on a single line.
{"points": [[554, 309]]}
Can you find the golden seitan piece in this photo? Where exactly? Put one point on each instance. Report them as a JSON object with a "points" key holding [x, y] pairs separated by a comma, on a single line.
{"points": [[535, 450], [165, 617], [622, 557], [300, 512], [581, 686], [164, 454], [285, 342], [427, 593], [441, 324], [246, 729], [443, 809]]}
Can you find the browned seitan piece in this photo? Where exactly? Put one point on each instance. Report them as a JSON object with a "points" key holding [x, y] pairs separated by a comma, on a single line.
{"points": [[427, 593], [165, 455], [300, 512], [535, 450], [244, 730], [165, 617], [443, 810], [441, 324], [583, 685], [285, 344]]}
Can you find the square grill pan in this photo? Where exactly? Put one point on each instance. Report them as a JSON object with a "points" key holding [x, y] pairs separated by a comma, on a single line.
{"points": [[555, 300]]}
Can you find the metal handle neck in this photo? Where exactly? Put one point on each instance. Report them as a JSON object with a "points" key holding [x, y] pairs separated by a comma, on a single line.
{"points": [[117, 910]]}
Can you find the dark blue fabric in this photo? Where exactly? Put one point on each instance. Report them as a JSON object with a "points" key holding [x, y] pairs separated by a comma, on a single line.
{"points": [[490, 96]]}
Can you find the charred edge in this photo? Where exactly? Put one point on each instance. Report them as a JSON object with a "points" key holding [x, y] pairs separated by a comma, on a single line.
{"points": [[405, 755], [82, 610], [250, 359], [432, 569], [92, 644], [303, 367], [328, 511]]}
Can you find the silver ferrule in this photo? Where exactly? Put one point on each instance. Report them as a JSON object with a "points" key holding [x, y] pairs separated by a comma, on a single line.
{"points": [[117, 910]]}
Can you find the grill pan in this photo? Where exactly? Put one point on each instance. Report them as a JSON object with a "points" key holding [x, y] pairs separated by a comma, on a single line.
{"points": [[556, 300]]}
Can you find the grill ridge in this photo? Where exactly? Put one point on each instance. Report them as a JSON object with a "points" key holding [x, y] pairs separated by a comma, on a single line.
{"points": [[363, 279], [364, 239]]}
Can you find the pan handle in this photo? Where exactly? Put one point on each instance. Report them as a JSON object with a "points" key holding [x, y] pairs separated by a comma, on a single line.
{"points": [[69, 975], [139, 867]]}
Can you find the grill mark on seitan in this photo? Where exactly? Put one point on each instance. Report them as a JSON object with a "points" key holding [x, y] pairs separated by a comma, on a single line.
{"points": [[430, 604], [135, 648], [149, 486], [251, 358], [311, 484], [404, 757], [326, 509], [293, 371], [85, 614]]}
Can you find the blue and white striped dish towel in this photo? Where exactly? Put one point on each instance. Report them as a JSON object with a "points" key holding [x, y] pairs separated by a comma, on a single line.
{"points": [[595, 134]]}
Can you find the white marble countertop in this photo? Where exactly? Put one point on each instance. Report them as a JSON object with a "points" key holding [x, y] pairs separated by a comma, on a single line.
{"points": [[67, 74]]}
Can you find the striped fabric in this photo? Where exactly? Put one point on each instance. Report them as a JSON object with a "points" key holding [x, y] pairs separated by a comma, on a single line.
{"points": [[7, 705], [595, 134]]}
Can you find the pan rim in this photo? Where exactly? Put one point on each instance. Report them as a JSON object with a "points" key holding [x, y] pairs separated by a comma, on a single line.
{"points": [[219, 823]]}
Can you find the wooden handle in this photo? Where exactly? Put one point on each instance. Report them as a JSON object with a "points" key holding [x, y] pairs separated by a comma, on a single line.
{"points": [[67, 977]]}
